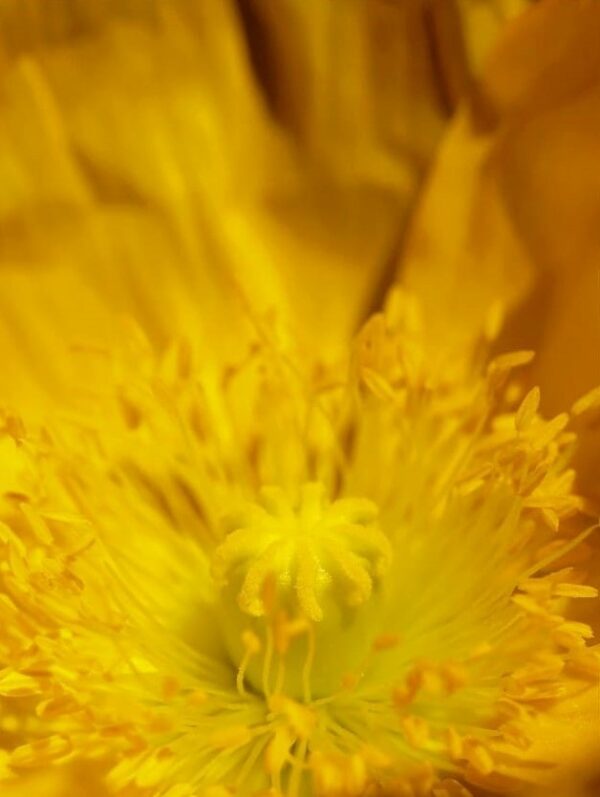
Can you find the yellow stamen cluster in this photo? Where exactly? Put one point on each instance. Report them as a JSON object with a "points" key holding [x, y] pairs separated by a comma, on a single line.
{"points": [[289, 576]]}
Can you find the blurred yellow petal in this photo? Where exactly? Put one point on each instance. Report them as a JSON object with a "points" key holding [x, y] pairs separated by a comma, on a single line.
{"points": [[451, 257], [125, 206], [153, 153], [355, 82], [79, 780], [578, 748], [280, 148], [483, 23], [462, 256]]}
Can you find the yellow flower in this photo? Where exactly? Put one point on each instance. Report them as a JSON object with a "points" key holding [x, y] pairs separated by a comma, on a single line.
{"points": [[243, 550]]}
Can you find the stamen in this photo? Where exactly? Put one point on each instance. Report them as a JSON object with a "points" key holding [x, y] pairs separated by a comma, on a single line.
{"points": [[354, 602], [308, 664], [267, 662], [230, 737], [298, 766], [416, 730], [252, 646], [479, 756]]}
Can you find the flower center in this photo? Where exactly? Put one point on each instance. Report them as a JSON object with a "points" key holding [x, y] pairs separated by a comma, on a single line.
{"points": [[304, 575]]}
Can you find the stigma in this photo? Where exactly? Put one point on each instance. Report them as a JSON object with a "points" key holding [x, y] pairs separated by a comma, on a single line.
{"points": [[304, 574], [311, 548]]}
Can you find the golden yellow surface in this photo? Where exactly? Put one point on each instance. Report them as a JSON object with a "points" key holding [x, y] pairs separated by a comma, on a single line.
{"points": [[278, 513]]}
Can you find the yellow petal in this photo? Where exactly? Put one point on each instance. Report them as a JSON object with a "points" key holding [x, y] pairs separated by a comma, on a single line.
{"points": [[121, 189], [463, 258], [483, 23], [143, 172], [58, 782], [568, 737]]}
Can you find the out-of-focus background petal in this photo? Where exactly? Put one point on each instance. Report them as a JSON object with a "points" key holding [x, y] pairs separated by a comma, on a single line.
{"points": [[355, 87], [137, 155], [568, 735], [71, 780], [462, 258], [172, 160]]}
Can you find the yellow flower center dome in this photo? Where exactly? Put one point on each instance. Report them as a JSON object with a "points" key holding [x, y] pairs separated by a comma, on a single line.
{"points": [[310, 569]]}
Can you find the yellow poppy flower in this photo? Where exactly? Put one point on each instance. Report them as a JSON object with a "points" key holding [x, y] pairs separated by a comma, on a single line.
{"points": [[242, 549]]}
